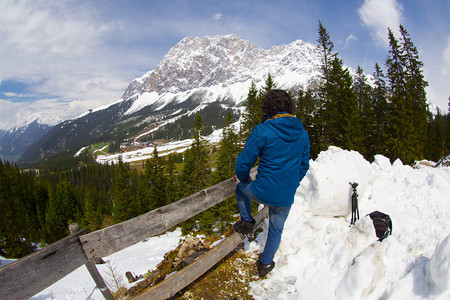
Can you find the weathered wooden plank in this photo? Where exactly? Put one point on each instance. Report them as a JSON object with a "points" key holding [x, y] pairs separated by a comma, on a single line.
{"points": [[28, 276], [106, 241], [189, 274]]}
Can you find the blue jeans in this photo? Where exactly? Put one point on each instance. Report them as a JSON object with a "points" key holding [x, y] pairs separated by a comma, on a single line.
{"points": [[277, 218]]}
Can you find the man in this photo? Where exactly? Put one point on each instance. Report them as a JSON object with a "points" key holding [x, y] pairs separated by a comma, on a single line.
{"points": [[282, 145]]}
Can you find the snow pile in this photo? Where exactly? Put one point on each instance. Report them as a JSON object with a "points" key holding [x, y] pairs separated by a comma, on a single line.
{"points": [[439, 266], [321, 257], [326, 185]]}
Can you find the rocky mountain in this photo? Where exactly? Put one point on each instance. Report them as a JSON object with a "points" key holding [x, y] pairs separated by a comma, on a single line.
{"points": [[2, 133], [14, 142], [210, 61], [210, 75]]}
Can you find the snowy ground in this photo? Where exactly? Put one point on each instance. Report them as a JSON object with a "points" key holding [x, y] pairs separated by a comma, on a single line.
{"points": [[137, 259], [321, 256], [164, 149]]}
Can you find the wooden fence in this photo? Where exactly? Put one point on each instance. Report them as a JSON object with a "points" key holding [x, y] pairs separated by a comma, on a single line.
{"points": [[28, 276]]}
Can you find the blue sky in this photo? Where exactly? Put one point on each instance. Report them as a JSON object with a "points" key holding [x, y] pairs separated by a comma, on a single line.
{"points": [[65, 57]]}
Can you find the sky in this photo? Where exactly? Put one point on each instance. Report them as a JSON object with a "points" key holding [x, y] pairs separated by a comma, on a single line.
{"points": [[65, 57]]}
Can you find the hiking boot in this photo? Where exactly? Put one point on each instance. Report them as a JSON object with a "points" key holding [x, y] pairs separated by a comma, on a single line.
{"points": [[244, 227], [264, 269]]}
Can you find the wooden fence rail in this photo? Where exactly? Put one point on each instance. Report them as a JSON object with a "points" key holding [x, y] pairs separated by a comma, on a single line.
{"points": [[117, 237], [28, 276], [189, 274], [37, 271]]}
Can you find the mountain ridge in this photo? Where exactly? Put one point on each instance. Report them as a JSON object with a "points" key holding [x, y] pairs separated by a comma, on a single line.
{"points": [[210, 75], [224, 60], [14, 142]]}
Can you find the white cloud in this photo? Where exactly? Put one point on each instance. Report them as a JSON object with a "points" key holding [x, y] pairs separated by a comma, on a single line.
{"points": [[350, 38], [59, 49], [379, 15], [437, 72], [446, 58], [51, 30], [218, 16], [16, 114], [7, 113], [13, 95]]}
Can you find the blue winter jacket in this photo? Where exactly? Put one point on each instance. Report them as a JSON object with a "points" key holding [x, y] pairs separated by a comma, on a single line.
{"points": [[283, 147]]}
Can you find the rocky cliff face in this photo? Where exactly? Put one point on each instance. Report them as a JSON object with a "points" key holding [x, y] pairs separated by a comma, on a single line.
{"points": [[224, 61]]}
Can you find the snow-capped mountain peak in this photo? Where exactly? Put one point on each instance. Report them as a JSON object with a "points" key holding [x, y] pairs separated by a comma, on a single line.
{"points": [[224, 61]]}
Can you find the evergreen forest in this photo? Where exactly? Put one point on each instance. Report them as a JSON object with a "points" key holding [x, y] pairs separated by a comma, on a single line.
{"points": [[387, 116]]}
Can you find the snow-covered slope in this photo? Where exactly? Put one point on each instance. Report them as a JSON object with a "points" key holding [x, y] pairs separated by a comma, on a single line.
{"points": [[321, 256], [163, 149]]}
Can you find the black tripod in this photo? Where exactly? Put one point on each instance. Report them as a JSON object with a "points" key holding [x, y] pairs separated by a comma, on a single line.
{"points": [[355, 210]]}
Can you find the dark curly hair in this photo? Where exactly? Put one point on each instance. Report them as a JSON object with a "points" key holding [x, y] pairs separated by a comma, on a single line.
{"points": [[275, 101]]}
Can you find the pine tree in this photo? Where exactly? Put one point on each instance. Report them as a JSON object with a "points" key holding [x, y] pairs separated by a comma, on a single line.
{"points": [[227, 153], [16, 226], [252, 114], [307, 108], [380, 113], [327, 109], [325, 46], [447, 131], [270, 84], [196, 172], [30, 219], [363, 93], [143, 201], [91, 220], [173, 192], [62, 211], [344, 126], [218, 216], [436, 144], [156, 181], [125, 206], [401, 127], [40, 197], [415, 92], [200, 155]]}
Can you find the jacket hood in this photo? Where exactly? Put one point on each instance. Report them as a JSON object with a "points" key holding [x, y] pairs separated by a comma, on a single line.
{"points": [[289, 129]]}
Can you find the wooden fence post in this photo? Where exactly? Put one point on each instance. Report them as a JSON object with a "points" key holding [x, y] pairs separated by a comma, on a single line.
{"points": [[92, 269], [95, 274]]}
